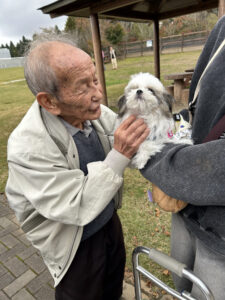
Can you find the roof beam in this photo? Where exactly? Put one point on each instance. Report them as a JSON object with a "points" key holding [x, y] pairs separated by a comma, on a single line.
{"points": [[65, 9], [161, 3], [188, 10], [111, 5], [127, 16], [55, 5]]}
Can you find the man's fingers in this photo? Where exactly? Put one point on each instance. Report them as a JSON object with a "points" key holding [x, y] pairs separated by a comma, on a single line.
{"points": [[129, 135], [142, 137], [126, 123], [131, 123], [137, 131], [134, 134]]}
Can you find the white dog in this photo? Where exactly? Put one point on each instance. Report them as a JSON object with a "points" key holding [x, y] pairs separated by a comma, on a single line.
{"points": [[146, 97]]}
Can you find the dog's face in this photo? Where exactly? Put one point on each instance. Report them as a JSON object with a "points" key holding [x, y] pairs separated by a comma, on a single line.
{"points": [[145, 94]]}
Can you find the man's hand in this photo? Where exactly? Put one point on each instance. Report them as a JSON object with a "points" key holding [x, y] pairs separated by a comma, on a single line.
{"points": [[129, 135]]}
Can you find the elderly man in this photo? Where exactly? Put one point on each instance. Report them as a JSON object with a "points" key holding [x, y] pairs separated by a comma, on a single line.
{"points": [[64, 179]]}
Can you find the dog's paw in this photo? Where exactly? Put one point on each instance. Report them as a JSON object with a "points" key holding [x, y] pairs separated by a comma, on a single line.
{"points": [[188, 141], [146, 150]]}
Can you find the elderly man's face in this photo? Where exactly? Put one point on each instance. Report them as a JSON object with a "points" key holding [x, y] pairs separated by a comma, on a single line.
{"points": [[80, 92]]}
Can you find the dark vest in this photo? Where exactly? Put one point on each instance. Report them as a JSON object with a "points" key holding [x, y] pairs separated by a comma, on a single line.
{"points": [[90, 150]]}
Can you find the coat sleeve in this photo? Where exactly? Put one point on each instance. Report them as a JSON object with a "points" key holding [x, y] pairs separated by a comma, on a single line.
{"points": [[58, 193], [194, 174]]}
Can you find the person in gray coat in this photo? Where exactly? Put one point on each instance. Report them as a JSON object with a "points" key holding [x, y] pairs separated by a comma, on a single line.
{"points": [[196, 175]]}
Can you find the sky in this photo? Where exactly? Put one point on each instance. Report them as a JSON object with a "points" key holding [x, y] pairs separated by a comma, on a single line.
{"points": [[21, 17]]}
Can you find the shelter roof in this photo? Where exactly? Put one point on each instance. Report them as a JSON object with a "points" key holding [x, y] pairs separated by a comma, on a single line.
{"points": [[128, 10]]}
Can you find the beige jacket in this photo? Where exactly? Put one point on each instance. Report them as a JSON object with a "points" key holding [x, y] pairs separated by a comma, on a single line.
{"points": [[50, 195]]}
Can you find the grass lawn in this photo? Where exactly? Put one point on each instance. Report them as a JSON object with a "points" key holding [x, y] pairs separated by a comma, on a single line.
{"points": [[143, 223]]}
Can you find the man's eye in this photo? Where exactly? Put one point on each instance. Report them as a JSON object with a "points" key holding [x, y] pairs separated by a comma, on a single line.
{"points": [[95, 81], [78, 92]]}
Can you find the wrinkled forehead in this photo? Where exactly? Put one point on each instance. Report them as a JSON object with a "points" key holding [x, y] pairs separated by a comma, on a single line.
{"points": [[65, 56], [72, 63], [77, 76]]}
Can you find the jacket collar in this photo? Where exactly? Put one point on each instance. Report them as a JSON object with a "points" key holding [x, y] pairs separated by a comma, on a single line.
{"points": [[61, 137]]}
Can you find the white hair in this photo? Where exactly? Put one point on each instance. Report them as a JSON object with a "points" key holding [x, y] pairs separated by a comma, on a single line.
{"points": [[38, 72]]}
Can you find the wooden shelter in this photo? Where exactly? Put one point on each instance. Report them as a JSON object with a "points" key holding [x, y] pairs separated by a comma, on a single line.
{"points": [[128, 10]]}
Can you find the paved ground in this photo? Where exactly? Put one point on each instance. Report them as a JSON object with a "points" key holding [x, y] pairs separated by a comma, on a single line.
{"points": [[23, 275]]}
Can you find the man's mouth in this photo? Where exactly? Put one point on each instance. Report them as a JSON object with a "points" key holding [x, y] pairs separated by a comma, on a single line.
{"points": [[94, 110]]}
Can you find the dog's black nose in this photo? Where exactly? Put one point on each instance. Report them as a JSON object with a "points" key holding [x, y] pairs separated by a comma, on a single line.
{"points": [[139, 92]]}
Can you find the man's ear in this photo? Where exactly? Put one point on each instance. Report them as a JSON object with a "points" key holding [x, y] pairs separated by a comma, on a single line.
{"points": [[48, 102]]}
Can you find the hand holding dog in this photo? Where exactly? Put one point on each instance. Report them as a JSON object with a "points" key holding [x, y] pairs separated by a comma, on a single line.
{"points": [[129, 136]]}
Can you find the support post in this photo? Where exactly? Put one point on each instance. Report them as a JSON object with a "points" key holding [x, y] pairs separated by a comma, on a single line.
{"points": [[156, 48], [98, 54], [221, 8]]}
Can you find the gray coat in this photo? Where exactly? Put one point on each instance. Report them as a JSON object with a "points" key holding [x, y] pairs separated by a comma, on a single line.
{"points": [[196, 174]]}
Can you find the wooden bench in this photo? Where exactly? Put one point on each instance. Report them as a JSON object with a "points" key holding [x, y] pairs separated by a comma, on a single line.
{"points": [[181, 83]]}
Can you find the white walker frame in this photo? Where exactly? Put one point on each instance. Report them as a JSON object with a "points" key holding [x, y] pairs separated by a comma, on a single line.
{"points": [[172, 265]]}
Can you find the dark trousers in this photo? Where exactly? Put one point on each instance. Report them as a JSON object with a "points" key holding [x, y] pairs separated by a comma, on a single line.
{"points": [[97, 270]]}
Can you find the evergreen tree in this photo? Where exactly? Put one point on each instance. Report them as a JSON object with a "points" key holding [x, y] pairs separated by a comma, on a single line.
{"points": [[80, 31], [12, 50], [57, 30], [114, 34], [70, 24], [47, 30], [22, 46]]}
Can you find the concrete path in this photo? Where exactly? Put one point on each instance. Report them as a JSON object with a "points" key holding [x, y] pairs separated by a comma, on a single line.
{"points": [[12, 81], [23, 275]]}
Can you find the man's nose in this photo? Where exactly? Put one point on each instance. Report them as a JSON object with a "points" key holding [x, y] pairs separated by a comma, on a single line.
{"points": [[97, 94]]}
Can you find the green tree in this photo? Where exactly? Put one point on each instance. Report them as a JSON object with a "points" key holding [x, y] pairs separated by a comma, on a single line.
{"points": [[200, 21], [57, 30], [12, 49], [22, 46], [70, 24], [114, 34], [138, 31], [80, 31], [47, 30]]}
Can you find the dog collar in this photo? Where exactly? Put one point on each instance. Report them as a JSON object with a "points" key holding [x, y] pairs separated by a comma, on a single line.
{"points": [[170, 134]]}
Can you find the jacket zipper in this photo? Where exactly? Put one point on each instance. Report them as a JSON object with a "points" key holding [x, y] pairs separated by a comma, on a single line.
{"points": [[68, 256]]}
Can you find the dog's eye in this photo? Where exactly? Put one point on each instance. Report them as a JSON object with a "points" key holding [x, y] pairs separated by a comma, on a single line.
{"points": [[151, 90]]}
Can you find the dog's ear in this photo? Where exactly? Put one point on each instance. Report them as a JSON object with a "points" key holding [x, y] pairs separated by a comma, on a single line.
{"points": [[169, 100], [122, 106]]}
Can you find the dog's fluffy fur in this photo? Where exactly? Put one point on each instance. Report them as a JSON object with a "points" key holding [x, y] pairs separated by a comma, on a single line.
{"points": [[146, 97]]}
